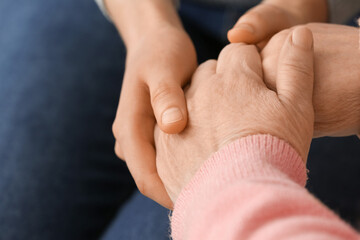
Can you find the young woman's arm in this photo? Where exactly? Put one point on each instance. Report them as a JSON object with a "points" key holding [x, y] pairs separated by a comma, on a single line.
{"points": [[133, 18], [160, 60]]}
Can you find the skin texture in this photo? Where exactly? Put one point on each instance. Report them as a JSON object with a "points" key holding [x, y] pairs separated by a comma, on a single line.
{"points": [[228, 99], [261, 22], [160, 60], [337, 77]]}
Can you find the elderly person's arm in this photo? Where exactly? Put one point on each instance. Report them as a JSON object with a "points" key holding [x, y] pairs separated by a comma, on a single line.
{"points": [[253, 186]]}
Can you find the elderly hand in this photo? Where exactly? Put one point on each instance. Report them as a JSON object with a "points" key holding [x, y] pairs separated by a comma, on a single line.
{"points": [[228, 99], [337, 76]]}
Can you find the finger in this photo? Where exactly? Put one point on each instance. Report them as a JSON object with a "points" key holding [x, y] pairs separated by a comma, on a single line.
{"points": [[270, 57], [295, 76], [270, 71], [205, 71], [118, 151], [135, 139], [142, 166], [201, 78], [240, 59], [260, 23], [169, 105], [263, 43]]}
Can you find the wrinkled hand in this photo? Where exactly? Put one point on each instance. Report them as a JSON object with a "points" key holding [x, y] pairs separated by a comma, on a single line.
{"points": [[227, 100], [261, 22], [337, 77], [157, 68]]}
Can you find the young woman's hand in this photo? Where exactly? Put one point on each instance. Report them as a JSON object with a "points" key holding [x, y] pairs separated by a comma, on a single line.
{"points": [[160, 60], [157, 68], [337, 76], [228, 99], [261, 22]]}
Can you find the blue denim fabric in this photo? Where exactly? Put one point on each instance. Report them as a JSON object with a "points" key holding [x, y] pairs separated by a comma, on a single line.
{"points": [[61, 65], [140, 218]]}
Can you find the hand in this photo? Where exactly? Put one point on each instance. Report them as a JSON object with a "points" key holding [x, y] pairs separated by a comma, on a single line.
{"points": [[337, 77], [157, 67], [228, 99], [261, 22]]}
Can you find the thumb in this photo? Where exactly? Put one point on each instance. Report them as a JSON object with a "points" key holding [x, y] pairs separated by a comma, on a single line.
{"points": [[169, 105], [295, 76], [259, 24]]}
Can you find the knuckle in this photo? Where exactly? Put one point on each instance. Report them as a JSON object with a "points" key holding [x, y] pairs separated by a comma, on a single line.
{"points": [[115, 128], [281, 36], [228, 49], [122, 130], [118, 151], [276, 42], [207, 64], [118, 129], [162, 92], [143, 186], [302, 69], [231, 52]]}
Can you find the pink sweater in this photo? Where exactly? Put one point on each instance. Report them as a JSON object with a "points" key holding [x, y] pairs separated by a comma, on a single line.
{"points": [[254, 189]]}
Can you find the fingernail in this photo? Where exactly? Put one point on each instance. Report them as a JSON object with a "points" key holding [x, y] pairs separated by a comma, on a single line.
{"points": [[302, 37], [171, 115], [246, 27]]}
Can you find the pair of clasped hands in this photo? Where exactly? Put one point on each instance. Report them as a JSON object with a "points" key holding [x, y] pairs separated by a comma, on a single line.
{"points": [[294, 83]]}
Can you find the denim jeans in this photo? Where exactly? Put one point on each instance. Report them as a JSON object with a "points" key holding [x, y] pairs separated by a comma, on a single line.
{"points": [[61, 68]]}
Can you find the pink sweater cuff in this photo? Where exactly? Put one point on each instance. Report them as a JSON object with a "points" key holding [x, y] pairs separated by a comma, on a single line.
{"points": [[251, 158]]}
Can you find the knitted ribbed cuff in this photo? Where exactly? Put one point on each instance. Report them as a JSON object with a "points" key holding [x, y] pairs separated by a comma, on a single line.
{"points": [[256, 157]]}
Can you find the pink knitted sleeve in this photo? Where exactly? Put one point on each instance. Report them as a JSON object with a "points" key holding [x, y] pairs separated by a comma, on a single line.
{"points": [[254, 189]]}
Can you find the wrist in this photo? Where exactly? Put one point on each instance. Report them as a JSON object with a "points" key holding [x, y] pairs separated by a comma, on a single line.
{"points": [[251, 159], [136, 18]]}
